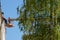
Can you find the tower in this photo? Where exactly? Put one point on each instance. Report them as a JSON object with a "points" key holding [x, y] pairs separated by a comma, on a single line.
{"points": [[2, 27]]}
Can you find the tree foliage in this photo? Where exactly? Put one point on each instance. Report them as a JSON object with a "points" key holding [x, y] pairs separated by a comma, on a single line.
{"points": [[38, 19]]}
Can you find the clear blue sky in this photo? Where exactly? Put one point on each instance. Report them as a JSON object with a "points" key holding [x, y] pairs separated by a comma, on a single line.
{"points": [[9, 9]]}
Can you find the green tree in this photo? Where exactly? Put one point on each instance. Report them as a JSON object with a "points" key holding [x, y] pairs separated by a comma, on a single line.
{"points": [[39, 19]]}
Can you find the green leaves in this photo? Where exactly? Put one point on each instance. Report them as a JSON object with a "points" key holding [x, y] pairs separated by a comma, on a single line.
{"points": [[39, 17]]}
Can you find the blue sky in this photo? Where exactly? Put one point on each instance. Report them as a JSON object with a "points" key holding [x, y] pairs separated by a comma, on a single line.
{"points": [[9, 9]]}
